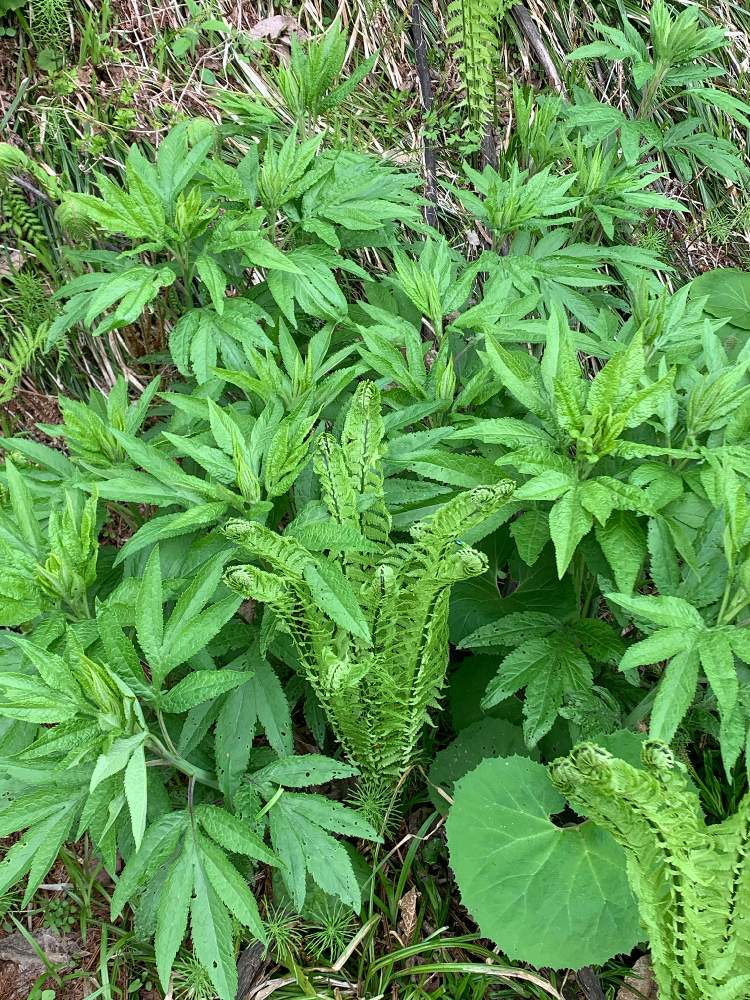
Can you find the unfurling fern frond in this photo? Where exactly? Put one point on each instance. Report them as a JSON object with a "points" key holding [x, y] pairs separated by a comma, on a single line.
{"points": [[691, 880], [472, 28], [23, 330], [369, 621]]}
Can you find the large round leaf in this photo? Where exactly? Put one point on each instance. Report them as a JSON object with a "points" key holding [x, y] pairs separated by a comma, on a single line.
{"points": [[486, 738], [728, 291], [550, 896]]}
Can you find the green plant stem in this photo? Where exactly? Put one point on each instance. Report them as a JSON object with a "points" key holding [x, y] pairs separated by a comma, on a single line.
{"points": [[184, 766]]}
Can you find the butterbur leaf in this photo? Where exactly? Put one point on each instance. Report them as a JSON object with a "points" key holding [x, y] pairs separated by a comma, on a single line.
{"points": [[479, 741], [519, 874]]}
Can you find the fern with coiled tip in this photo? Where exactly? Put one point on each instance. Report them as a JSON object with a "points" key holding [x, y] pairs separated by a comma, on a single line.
{"points": [[370, 622], [692, 881]]}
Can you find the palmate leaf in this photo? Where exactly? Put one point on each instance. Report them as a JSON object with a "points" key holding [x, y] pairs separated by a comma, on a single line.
{"points": [[259, 701], [201, 335], [200, 880], [520, 875], [199, 687], [547, 666], [49, 815], [211, 932], [300, 825]]}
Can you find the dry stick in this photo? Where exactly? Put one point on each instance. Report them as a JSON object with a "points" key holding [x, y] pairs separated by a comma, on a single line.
{"points": [[589, 983], [525, 22], [425, 88]]}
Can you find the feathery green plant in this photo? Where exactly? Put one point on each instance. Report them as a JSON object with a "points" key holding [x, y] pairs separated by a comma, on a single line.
{"points": [[692, 881], [472, 28], [49, 22], [369, 620]]}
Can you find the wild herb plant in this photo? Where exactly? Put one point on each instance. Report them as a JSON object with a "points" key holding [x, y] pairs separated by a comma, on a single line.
{"points": [[687, 877], [343, 399], [367, 615]]}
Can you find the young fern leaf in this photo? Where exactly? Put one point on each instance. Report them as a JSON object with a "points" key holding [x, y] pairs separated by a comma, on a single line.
{"points": [[691, 880], [472, 28], [370, 623]]}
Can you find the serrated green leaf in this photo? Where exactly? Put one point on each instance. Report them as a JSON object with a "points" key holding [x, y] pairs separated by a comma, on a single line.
{"points": [[211, 931], [303, 771], [172, 915], [201, 686], [568, 523], [232, 834], [230, 887], [334, 595], [136, 793], [674, 695], [717, 661], [149, 622]]}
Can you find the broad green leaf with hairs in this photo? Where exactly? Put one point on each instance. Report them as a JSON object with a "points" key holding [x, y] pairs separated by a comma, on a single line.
{"points": [[521, 876]]}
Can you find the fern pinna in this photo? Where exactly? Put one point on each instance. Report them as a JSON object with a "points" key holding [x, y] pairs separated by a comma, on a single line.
{"points": [[472, 28], [692, 881], [369, 620]]}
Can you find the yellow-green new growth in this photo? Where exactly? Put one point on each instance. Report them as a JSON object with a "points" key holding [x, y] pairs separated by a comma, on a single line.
{"points": [[369, 621], [692, 881]]}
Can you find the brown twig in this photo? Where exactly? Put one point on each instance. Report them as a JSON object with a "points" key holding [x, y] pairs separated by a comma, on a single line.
{"points": [[425, 88], [525, 22]]}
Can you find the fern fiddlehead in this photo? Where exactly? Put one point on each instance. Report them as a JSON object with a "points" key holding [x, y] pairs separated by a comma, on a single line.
{"points": [[376, 685], [692, 881], [472, 29]]}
